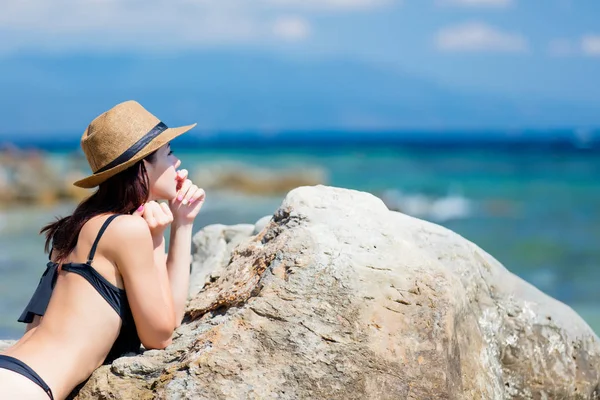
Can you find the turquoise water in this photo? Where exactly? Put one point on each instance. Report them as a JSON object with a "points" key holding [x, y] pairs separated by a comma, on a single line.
{"points": [[536, 210]]}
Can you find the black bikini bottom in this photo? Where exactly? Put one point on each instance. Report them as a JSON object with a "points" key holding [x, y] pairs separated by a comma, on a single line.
{"points": [[18, 366]]}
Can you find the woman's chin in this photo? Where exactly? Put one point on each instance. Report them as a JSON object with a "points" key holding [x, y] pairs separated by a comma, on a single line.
{"points": [[166, 196]]}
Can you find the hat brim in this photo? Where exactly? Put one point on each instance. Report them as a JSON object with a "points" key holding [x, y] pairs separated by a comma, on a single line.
{"points": [[162, 139]]}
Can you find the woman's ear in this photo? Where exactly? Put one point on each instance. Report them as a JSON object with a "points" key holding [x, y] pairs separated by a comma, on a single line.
{"points": [[147, 166]]}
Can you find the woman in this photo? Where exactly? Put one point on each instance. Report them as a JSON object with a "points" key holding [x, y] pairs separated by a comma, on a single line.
{"points": [[82, 316]]}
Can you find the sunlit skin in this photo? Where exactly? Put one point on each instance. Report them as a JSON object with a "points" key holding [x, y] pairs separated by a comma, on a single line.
{"points": [[73, 338]]}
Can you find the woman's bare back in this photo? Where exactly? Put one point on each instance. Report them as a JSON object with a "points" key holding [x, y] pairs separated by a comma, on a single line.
{"points": [[79, 326]]}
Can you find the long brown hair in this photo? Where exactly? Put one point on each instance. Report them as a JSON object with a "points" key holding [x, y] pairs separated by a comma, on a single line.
{"points": [[120, 194]]}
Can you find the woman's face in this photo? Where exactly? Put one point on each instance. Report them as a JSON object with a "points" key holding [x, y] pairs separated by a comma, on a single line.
{"points": [[162, 173]]}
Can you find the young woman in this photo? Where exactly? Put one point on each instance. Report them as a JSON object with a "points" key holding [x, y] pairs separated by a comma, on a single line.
{"points": [[109, 285]]}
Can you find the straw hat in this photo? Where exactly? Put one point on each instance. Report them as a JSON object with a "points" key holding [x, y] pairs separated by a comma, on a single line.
{"points": [[120, 137]]}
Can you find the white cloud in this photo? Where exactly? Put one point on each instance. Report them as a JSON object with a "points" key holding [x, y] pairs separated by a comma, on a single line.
{"points": [[590, 45], [101, 23], [331, 4], [476, 3], [479, 37], [292, 28], [159, 24]]}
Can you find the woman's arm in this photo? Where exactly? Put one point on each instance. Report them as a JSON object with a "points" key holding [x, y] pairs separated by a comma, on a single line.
{"points": [[184, 208], [148, 290], [160, 262], [174, 267], [178, 266]]}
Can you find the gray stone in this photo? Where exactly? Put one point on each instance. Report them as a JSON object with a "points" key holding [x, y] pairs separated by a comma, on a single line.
{"points": [[262, 224], [211, 249], [340, 298]]}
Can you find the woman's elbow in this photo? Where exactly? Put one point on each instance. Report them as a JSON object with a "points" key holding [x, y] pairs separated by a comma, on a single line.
{"points": [[157, 344], [158, 339], [178, 322]]}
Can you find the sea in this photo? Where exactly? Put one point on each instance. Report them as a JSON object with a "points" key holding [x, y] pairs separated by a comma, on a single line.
{"points": [[533, 205]]}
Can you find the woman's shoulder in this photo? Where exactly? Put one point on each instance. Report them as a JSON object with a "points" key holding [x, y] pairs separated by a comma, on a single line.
{"points": [[130, 232], [127, 226], [126, 232]]}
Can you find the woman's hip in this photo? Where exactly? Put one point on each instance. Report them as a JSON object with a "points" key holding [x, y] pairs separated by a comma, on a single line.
{"points": [[18, 380]]}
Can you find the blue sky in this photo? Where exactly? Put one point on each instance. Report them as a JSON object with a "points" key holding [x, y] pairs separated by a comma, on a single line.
{"points": [[538, 57]]}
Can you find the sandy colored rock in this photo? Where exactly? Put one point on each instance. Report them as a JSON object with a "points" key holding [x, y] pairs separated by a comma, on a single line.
{"points": [[250, 179], [30, 177], [70, 191], [211, 249], [339, 298]]}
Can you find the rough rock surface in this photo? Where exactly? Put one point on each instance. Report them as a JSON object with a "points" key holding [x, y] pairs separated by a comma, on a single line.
{"points": [[340, 298], [211, 249]]}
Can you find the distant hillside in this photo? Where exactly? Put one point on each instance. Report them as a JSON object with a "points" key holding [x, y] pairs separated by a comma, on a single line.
{"points": [[235, 92]]}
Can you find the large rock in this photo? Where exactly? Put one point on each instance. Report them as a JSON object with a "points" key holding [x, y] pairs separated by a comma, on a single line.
{"points": [[340, 298]]}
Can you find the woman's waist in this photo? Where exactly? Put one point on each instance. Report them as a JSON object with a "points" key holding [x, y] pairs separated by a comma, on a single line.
{"points": [[61, 361]]}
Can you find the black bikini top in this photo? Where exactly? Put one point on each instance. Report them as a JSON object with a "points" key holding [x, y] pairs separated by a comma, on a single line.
{"points": [[128, 340]]}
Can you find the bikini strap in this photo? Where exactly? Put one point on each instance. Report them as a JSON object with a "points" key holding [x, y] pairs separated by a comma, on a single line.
{"points": [[100, 233]]}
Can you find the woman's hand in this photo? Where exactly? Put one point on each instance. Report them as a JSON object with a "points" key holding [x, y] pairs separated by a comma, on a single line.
{"points": [[189, 200], [158, 216]]}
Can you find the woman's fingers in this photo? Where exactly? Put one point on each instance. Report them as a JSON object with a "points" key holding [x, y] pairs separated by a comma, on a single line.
{"points": [[189, 194], [182, 175], [155, 211], [199, 194], [139, 212], [181, 195], [157, 215], [149, 214], [167, 212]]}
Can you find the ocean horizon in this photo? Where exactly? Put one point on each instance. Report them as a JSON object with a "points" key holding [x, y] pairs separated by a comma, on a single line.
{"points": [[565, 139]]}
